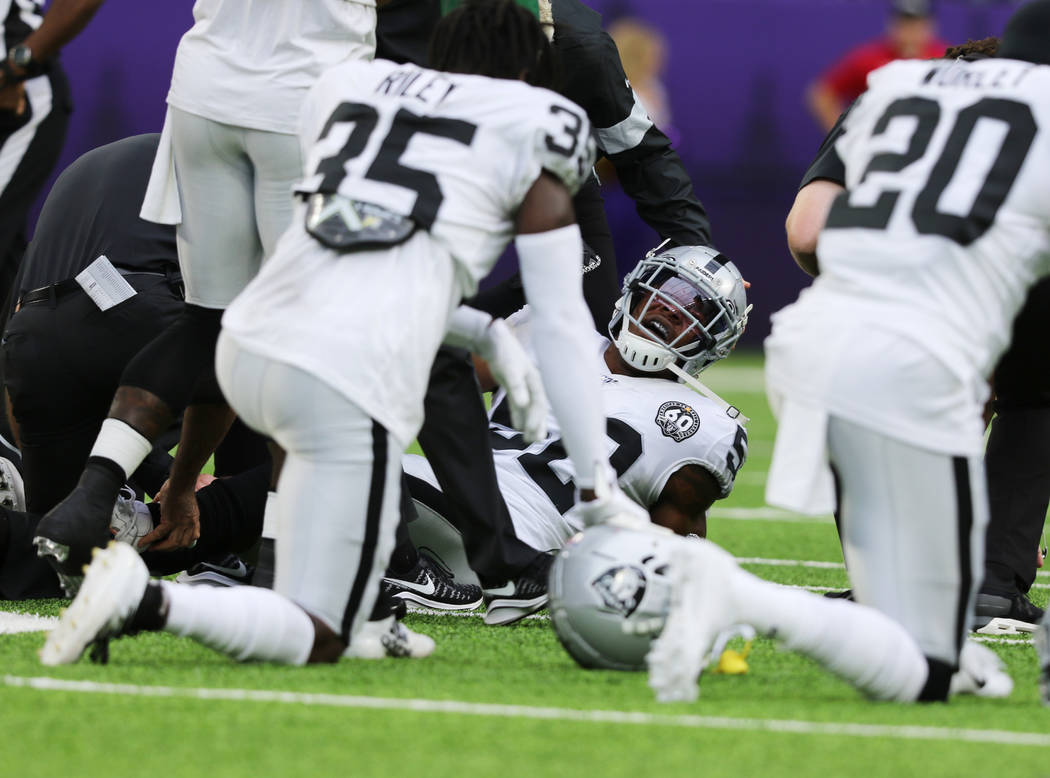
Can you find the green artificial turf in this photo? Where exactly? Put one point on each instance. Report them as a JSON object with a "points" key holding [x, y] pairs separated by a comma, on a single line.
{"points": [[732, 730]]}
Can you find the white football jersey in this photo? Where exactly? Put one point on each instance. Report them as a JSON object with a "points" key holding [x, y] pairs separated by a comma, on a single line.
{"points": [[927, 257], [946, 222], [456, 154], [654, 427], [249, 63]]}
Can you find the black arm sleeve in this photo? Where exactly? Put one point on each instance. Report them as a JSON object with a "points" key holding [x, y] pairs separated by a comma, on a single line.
{"points": [[650, 171], [653, 175], [827, 165]]}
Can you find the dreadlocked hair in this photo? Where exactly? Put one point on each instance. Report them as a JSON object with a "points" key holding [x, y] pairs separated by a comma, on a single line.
{"points": [[985, 47], [496, 38]]}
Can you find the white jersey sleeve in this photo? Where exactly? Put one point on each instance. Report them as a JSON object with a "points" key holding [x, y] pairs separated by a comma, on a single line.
{"points": [[562, 143]]}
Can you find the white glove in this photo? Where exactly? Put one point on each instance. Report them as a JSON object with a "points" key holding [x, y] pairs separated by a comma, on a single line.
{"points": [[520, 378], [610, 506]]}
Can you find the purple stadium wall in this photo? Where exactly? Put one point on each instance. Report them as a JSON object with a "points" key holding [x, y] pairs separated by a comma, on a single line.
{"points": [[736, 73]]}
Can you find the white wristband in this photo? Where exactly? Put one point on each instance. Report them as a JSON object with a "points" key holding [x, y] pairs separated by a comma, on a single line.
{"points": [[466, 327]]}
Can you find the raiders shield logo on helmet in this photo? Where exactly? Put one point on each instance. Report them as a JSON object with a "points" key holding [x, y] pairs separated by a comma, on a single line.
{"points": [[677, 420], [621, 588]]}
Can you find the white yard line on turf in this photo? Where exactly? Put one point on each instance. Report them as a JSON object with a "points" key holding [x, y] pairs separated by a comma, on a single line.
{"points": [[755, 560], [766, 513], [457, 707], [997, 641], [24, 622]]}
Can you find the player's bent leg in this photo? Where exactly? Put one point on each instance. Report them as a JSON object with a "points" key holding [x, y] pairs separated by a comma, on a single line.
{"points": [[117, 598], [913, 524], [156, 384], [337, 497], [419, 579], [506, 602], [709, 593], [331, 562]]}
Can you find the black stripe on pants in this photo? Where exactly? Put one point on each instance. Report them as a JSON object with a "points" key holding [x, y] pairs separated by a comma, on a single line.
{"points": [[964, 513], [938, 680], [373, 516]]}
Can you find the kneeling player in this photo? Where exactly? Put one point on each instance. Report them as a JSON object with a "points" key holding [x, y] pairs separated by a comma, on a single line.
{"points": [[614, 589]]}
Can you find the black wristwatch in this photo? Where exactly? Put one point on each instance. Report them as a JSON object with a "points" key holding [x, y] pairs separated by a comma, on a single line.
{"points": [[22, 56]]}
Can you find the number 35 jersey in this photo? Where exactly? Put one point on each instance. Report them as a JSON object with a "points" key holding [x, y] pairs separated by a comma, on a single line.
{"points": [[452, 154], [946, 219], [455, 153]]}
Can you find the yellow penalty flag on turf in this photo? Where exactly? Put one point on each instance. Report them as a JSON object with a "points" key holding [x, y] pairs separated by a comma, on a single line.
{"points": [[734, 662]]}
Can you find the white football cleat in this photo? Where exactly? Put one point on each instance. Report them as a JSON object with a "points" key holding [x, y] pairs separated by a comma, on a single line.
{"points": [[701, 608], [388, 638], [131, 520], [113, 586], [981, 673], [12, 488]]}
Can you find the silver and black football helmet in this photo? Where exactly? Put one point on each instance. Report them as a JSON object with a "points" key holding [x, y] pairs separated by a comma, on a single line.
{"points": [[610, 594], [697, 284]]}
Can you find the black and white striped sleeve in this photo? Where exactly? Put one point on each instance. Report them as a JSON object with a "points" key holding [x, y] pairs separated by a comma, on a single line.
{"points": [[650, 171]]}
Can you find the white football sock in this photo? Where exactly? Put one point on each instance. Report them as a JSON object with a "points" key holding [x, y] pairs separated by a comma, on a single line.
{"points": [[855, 642], [269, 529], [244, 622], [121, 443]]}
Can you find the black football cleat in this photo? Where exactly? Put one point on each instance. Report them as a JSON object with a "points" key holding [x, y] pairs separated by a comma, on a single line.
{"points": [[844, 594], [1001, 615], [222, 570], [429, 585], [67, 533], [521, 597]]}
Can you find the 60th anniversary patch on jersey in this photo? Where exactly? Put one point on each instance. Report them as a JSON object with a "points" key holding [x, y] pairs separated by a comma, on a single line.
{"points": [[677, 420]]}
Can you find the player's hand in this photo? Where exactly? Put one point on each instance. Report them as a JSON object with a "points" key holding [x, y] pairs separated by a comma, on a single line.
{"points": [[609, 506], [179, 526], [520, 378], [13, 99]]}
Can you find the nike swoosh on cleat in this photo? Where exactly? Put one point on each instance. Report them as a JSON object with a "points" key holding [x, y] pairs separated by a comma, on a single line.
{"points": [[427, 588], [234, 572], [499, 591]]}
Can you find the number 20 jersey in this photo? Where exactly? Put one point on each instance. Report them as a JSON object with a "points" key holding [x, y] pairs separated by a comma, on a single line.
{"points": [[946, 219]]}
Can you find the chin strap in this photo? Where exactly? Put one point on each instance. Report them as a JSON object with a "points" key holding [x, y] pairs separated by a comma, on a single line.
{"points": [[731, 410]]}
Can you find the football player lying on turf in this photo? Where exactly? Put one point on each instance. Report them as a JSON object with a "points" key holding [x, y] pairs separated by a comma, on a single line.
{"points": [[675, 452], [615, 588]]}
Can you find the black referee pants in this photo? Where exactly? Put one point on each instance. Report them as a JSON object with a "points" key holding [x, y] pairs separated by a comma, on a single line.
{"points": [[1017, 459], [62, 363]]}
